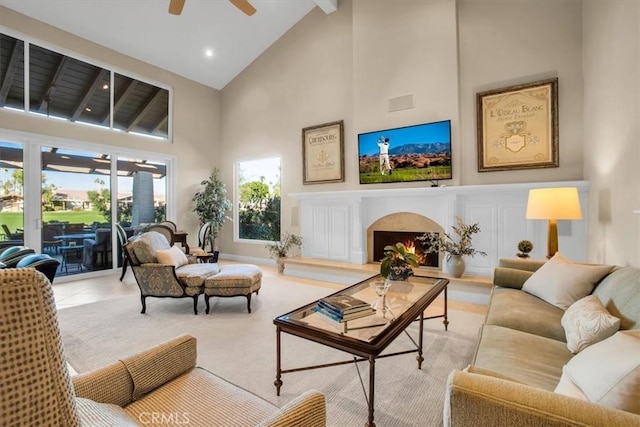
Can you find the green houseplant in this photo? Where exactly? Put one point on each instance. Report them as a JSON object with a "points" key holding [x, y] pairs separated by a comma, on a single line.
{"points": [[280, 249], [455, 248], [524, 246], [397, 262], [211, 205]]}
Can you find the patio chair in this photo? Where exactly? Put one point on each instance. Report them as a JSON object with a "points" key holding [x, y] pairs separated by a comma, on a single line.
{"points": [[41, 262], [49, 231], [11, 256], [75, 228], [10, 235], [96, 251]]}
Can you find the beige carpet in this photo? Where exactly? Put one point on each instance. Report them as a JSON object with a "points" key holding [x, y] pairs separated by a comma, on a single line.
{"points": [[240, 347]]}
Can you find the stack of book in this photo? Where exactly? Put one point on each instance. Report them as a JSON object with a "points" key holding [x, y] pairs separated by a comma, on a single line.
{"points": [[342, 308]]}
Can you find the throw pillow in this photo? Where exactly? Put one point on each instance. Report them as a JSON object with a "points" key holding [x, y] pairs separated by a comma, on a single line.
{"points": [[587, 322], [607, 373], [561, 282], [172, 256]]}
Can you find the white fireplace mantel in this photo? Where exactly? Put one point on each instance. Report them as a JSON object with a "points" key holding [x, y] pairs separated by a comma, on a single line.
{"points": [[334, 224]]}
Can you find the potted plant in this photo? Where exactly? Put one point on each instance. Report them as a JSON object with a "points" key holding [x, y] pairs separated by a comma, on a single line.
{"points": [[455, 248], [524, 246], [280, 250], [397, 262], [212, 205]]}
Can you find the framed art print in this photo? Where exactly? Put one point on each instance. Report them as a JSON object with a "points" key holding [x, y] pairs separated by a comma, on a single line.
{"points": [[323, 153], [518, 127]]}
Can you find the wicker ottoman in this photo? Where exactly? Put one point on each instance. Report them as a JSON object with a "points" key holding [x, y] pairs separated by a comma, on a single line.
{"points": [[232, 281]]}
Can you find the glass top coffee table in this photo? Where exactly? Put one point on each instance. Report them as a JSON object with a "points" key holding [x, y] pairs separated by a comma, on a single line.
{"points": [[365, 337]]}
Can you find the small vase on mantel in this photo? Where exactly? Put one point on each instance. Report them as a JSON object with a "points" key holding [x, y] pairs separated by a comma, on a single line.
{"points": [[455, 265], [280, 263]]}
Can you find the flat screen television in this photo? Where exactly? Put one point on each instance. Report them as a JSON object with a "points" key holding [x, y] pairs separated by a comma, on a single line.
{"points": [[411, 153]]}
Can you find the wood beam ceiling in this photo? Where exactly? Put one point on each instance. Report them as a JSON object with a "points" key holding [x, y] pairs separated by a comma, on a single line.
{"points": [[144, 109], [16, 56], [88, 93], [51, 87]]}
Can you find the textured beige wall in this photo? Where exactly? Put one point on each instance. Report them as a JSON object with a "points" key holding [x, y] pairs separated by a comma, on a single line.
{"points": [[343, 66], [507, 42], [304, 79], [347, 65], [611, 38], [196, 125]]}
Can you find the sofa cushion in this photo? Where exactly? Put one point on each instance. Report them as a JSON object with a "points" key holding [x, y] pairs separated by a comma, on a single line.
{"points": [[193, 275], [587, 322], [224, 404], [607, 373], [172, 256], [527, 358], [620, 293], [561, 282], [96, 414], [242, 276], [512, 308], [145, 246]]}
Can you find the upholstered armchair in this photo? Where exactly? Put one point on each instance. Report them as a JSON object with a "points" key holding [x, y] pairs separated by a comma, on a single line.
{"points": [[172, 276], [37, 389]]}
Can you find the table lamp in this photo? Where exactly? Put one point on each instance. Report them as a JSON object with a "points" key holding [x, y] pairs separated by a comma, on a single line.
{"points": [[553, 204]]}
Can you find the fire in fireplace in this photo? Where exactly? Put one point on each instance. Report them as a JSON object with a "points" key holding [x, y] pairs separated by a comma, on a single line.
{"points": [[385, 238]]}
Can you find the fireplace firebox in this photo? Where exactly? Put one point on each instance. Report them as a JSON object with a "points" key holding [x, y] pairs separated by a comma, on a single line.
{"points": [[385, 238]]}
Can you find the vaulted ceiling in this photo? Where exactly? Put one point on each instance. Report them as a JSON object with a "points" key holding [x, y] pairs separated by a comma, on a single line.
{"points": [[145, 30]]}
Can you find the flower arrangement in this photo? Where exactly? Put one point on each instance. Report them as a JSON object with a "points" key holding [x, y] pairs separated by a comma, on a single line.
{"points": [[397, 262], [281, 249], [461, 245]]}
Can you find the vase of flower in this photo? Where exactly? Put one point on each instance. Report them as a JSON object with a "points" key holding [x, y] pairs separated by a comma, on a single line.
{"points": [[280, 250], [397, 262], [455, 265], [456, 248]]}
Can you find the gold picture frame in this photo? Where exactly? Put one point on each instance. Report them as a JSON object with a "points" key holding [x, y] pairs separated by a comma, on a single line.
{"points": [[323, 153], [518, 127]]}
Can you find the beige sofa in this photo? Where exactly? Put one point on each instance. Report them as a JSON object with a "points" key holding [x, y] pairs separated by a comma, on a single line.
{"points": [[521, 352], [160, 386]]}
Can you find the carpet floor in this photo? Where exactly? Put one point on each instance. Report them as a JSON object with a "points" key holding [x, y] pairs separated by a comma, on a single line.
{"points": [[240, 347]]}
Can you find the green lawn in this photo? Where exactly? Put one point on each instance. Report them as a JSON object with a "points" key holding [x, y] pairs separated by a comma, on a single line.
{"points": [[14, 220], [406, 175]]}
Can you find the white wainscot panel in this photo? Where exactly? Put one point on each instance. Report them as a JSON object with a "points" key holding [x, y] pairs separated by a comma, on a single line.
{"points": [[317, 241], [339, 236], [334, 223], [485, 216]]}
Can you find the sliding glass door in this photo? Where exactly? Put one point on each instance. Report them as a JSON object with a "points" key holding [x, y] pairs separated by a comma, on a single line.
{"points": [[65, 199], [11, 195], [76, 209]]}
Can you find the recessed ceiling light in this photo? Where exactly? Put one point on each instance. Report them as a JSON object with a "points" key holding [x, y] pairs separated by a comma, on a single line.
{"points": [[88, 110], [208, 53], [105, 86]]}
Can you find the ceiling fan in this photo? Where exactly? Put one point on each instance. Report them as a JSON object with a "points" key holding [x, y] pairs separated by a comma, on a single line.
{"points": [[175, 6]]}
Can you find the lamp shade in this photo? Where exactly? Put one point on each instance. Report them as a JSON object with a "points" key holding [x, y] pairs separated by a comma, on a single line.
{"points": [[553, 203]]}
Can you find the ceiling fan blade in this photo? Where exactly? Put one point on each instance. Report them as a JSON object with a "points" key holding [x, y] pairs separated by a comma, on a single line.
{"points": [[175, 7], [244, 6]]}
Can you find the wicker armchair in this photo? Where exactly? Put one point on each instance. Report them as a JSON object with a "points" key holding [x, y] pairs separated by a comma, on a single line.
{"points": [[38, 390], [164, 280]]}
